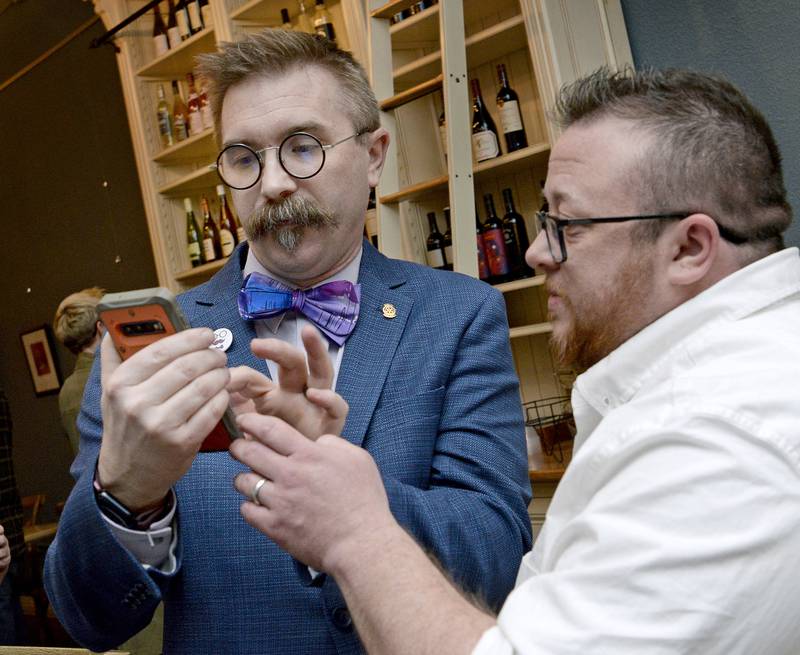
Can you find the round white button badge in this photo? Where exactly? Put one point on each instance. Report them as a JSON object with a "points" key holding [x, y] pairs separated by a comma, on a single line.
{"points": [[223, 338]]}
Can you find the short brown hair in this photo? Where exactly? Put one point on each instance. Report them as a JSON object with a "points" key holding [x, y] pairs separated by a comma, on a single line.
{"points": [[713, 151], [276, 51], [75, 322]]}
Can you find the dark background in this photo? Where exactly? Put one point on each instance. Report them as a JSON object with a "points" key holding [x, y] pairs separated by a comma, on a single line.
{"points": [[64, 132]]}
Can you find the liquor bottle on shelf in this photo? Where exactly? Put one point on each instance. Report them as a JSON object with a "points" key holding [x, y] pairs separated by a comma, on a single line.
{"points": [[207, 118], [515, 223], [304, 23], [192, 235], [182, 14], [212, 248], [323, 25], [193, 107], [443, 133], [435, 245], [447, 240], [484, 133], [173, 33], [180, 116], [483, 266], [195, 15], [160, 37], [230, 218], [165, 127], [510, 115], [227, 227], [205, 13], [494, 242], [286, 22]]}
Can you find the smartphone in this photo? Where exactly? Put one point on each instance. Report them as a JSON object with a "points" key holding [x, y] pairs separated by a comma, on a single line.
{"points": [[135, 319]]}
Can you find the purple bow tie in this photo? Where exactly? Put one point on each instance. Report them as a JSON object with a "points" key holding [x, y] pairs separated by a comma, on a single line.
{"points": [[332, 307]]}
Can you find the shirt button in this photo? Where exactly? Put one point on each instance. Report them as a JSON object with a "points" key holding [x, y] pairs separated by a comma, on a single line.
{"points": [[341, 618]]}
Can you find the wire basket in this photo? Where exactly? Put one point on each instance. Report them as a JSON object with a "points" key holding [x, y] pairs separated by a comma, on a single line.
{"points": [[554, 423]]}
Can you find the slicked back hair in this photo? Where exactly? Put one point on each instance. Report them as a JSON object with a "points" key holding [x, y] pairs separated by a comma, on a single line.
{"points": [[276, 52], [75, 322], [711, 150]]}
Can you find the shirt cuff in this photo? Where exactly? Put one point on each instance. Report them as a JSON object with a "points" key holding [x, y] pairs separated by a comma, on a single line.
{"points": [[154, 548], [493, 642]]}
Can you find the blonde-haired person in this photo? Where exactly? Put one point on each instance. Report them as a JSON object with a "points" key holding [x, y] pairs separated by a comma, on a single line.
{"points": [[76, 326]]}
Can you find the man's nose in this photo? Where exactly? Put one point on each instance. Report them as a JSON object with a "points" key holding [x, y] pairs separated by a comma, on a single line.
{"points": [[276, 183], [538, 254]]}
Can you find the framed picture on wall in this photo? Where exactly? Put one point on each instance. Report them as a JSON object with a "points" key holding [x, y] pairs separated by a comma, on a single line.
{"points": [[38, 347]]}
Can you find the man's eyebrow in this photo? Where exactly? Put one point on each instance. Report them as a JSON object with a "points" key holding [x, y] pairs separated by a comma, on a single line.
{"points": [[312, 127]]}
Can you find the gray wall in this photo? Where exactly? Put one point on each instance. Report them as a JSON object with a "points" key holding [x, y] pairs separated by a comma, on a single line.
{"points": [[755, 44], [63, 132]]}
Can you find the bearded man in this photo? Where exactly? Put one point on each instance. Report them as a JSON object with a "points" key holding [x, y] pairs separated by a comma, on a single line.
{"points": [[420, 356]]}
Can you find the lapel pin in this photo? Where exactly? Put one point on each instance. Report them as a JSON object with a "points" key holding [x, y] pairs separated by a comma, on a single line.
{"points": [[389, 310], [223, 338]]}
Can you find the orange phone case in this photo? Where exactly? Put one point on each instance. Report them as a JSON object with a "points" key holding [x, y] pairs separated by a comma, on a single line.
{"points": [[135, 319]]}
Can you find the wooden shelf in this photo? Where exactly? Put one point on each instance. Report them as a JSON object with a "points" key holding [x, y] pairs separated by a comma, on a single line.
{"points": [[174, 64], [482, 47], [204, 270], [192, 148], [530, 330], [203, 178], [261, 12], [418, 31], [497, 167], [391, 8], [524, 283], [412, 94]]}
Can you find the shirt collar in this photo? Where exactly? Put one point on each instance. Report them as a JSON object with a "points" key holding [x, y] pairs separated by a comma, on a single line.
{"points": [[252, 265], [644, 357]]}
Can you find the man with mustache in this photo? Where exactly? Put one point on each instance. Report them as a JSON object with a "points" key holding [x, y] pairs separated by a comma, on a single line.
{"points": [[421, 358], [676, 526]]}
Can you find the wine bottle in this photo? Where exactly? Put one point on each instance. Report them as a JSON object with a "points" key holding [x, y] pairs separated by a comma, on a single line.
{"points": [[227, 226], [483, 267], [193, 107], [494, 243], [173, 33], [212, 248], [303, 18], [447, 240], [435, 245], [160, 37], [443, 133], [484, 133], [165, 127], [207, 118], [286, 22], [182, 14], [322, 22], [180, 116], [514, 222], [192, 235], [205, 13], [237, 230], [195, 15], [510, 116]]}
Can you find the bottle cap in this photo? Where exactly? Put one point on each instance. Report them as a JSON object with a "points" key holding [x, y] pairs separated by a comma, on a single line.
{"points": [[187, 204]]}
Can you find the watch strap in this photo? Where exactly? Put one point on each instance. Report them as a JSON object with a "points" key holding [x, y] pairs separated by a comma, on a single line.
{"points": [[122, 515]]}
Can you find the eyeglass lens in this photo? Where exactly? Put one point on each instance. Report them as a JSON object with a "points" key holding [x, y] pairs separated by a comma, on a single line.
{"points": [[300, 155], [551, 234]]}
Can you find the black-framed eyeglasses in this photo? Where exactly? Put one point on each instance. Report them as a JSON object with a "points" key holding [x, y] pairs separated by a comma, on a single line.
{"points": [[300, 154], [553, 227]]}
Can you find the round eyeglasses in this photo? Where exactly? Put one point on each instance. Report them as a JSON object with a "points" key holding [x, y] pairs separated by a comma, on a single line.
{"points": [[301, 155]]}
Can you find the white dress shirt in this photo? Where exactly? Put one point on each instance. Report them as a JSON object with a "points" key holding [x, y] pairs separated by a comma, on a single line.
{"points": [[676, 527], [155, 548]]}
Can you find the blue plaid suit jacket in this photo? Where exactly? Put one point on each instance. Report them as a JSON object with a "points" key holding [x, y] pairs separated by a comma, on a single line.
{"points": [[433, 398]]}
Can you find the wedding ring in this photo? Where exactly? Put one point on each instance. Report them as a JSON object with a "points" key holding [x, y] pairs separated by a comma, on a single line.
{"points": [[256, 488]]}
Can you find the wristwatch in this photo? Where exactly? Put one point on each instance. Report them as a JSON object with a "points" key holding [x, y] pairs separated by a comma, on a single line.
{"points": [[120, 514]]}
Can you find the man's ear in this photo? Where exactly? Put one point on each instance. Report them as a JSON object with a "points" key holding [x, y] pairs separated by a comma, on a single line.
{"points": [[378, 145], [693, 247]]}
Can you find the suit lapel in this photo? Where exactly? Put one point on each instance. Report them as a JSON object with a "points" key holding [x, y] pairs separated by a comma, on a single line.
{"points": [[369, 351]]}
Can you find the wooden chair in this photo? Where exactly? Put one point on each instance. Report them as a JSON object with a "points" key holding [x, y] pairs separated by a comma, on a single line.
{"points": [[30, 508]]}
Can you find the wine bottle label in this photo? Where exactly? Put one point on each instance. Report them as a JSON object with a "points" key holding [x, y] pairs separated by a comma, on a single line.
{"points": [[195, 122], [162, 44], [165, 128], [208, 250], [510, 118], [448, 253], [494, 243], [194, 16], [435, 258], [174, 37], [181, 132], [226, 240], [183, 24], [194, 252], [485, 145], [483, 267]]}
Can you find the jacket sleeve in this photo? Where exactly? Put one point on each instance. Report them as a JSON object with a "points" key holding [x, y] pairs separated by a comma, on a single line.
{"points": [[100, 592], [473, 514]]}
